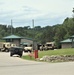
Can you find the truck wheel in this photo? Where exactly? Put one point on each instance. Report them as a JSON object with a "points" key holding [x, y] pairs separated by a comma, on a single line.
{"points": [[29, 51], [11, 54], [20, 55], [7, 50]]}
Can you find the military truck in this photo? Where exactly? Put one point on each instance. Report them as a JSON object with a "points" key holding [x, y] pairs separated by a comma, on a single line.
{"points": [[49, 45], [5, 46], [16, 51]]}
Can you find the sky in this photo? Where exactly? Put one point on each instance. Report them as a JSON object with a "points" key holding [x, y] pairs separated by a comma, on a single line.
{"points": [[43, 12]]}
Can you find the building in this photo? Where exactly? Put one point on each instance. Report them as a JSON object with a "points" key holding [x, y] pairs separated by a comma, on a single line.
{"points": [[68, 43], [18, 40], [26, 41], [72, 39]]}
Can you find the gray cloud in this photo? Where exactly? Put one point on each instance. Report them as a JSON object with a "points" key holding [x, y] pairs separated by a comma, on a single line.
{"points": [[47, 12]]}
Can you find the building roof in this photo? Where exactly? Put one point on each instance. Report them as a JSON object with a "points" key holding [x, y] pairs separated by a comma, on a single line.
{"points": [[12, 37], [71, 37], [15, 37], [66, 41]]}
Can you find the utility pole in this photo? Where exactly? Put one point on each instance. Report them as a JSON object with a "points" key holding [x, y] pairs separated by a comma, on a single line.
{"points": [[33, 23], [33, 33], [11, 30], [34, 42], [11, 26]]}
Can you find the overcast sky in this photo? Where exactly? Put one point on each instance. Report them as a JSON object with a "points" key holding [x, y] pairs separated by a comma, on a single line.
{"points": [[44, 12]]}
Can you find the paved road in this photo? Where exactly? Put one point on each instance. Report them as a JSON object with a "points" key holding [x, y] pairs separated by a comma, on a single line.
{"points": [[17, 66]]}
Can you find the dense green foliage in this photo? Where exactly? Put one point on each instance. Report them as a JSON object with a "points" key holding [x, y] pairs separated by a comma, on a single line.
{"points": [[55, 33]]}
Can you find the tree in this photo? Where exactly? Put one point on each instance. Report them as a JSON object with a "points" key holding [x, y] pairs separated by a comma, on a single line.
{"points": [[73, 13], [68, 25], [59, 35]]}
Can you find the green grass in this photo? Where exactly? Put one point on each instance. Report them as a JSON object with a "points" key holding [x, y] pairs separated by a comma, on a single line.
{"points": [[69, 51], [28, 57]]}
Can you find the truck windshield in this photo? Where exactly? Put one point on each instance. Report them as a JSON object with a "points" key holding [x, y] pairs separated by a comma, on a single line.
{"points": [[49, 45]]}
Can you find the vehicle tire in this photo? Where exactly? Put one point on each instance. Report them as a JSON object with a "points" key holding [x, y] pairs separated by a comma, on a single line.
{"points": [[29, 51], [0, 50], [7, 50], [11, 54], [20, 55]]}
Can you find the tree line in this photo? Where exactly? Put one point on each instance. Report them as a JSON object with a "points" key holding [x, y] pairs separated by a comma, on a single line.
{"points": [[40, 34]]}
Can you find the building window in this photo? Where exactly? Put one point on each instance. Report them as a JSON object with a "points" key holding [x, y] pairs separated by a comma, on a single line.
{"points": [[9, 40]]}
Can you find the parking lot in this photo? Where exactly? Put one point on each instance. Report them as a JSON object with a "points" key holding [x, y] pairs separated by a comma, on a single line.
{"points": [[17, 66]]}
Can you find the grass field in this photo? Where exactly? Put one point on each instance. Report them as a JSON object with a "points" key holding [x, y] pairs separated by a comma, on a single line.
{"points": [[69, 51]]}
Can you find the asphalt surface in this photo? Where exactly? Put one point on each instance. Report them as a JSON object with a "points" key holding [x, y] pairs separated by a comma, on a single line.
{"points": [[17, 66]]}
